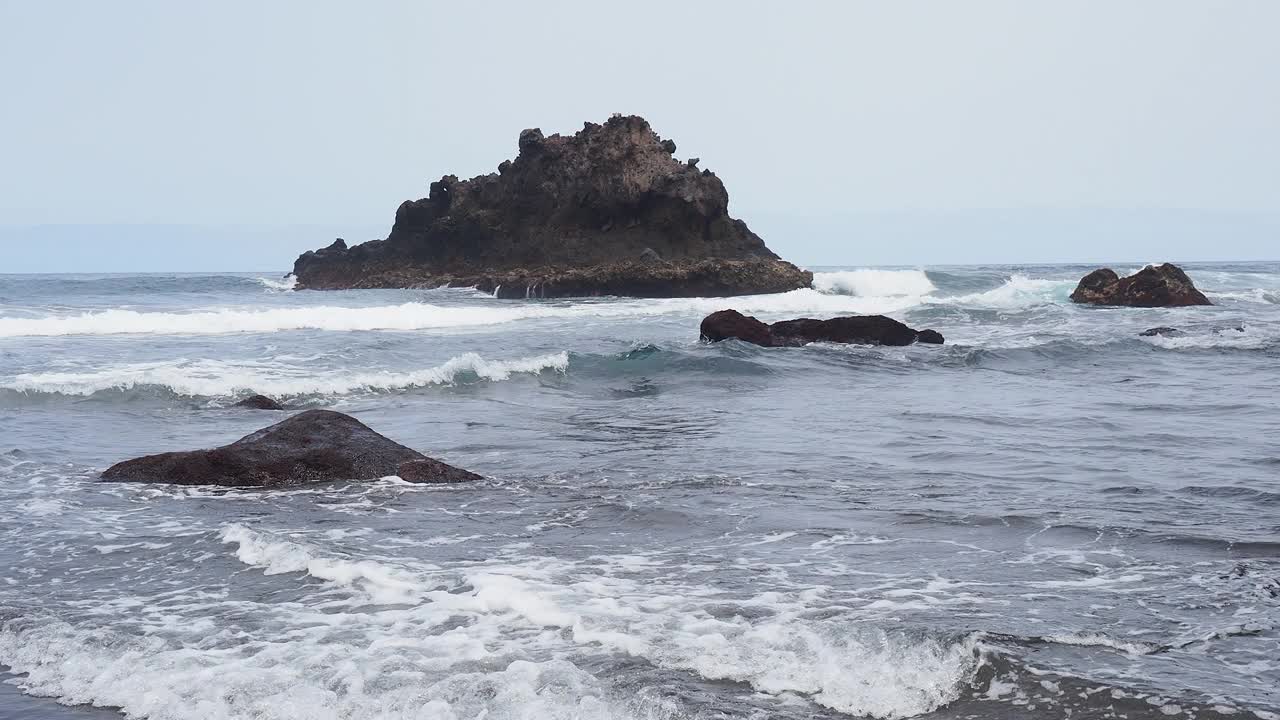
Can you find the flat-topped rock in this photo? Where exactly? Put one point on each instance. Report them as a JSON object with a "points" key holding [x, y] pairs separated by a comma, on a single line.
{"points": [[1153, 286], [858, 329], [606, 211], [310, 447]]}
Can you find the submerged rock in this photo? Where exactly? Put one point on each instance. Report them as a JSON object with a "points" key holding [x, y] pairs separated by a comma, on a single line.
{"points": [[1161, 332], [606, 211], [312, 446], [259, 402], [860, 329], [1153, 286]]}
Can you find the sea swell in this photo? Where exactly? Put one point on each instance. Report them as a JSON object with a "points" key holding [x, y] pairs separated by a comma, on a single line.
{"points": [[286, 377], [864, 291], [222, 379], [420, 315], [874, 283]]}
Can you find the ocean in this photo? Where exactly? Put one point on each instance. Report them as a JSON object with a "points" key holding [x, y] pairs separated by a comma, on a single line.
{"points": [[1050, 516]]}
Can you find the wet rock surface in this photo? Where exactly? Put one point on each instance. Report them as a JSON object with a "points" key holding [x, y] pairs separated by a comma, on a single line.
{"points": [[1153, 286], [859, 329], [310, 447]]}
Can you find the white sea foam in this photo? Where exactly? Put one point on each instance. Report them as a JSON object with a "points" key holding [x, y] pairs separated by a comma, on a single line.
{"points": [[288, 283], [874, 283], [215, 378], [426, 316], [1100, 640], [383, 584], [1229, 339], [849, 292], [1019, 291], [503, 639]]}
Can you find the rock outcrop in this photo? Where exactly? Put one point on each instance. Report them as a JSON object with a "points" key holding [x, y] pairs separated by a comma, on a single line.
{"points": [[310, 447], [1153, 286], [606, 211], [860, 329], [259, 402]]}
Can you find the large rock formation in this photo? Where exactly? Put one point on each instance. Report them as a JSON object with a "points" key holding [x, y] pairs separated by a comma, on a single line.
{"points": [[1152, 286], [860, 329], [606, 211], [312, 446]]}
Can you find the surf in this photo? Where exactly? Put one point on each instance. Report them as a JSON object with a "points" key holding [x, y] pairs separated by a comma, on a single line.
{"points": [[225, 379]]}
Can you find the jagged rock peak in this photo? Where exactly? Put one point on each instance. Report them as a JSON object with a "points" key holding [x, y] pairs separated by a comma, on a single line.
{"points": [[580, 214]]}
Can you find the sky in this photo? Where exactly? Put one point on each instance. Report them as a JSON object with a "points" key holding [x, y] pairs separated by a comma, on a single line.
{"points": [[153, 135]]}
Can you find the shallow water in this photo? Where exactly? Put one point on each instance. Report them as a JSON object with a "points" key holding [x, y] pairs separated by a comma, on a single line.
{"points": [[1048, 515]]}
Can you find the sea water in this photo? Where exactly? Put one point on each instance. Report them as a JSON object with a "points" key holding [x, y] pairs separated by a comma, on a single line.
{"points": [[1050, 516]]}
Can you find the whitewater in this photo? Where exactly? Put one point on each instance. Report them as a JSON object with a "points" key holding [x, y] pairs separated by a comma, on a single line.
{"points": [[1051, 515]]}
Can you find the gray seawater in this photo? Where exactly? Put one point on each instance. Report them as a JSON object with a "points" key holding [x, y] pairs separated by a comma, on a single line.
{"points": [[1049, 516]]}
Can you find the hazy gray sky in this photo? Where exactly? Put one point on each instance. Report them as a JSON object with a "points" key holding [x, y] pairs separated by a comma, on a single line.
{"points": [[846, 132]]}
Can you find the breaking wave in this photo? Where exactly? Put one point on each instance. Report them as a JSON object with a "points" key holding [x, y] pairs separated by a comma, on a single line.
{"points": [[422, 316], [396, 637], [213, 378], [1019, 291], [874, 283], [288, 283]]}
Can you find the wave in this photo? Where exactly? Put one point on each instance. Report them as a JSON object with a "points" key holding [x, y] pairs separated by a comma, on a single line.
{"points": [[1250, 295], [384, 584], [425, 316], [1130, 647], [212, 378], [1019, 291], [873, 283], [288, 283], [839, 293], [412, 316], [848, 667], [1224, 340]]}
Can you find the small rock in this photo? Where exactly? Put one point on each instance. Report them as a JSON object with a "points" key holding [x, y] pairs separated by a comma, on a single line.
{"points": [[930, 337], [259, 402], [861, 329], [1162, 332]]}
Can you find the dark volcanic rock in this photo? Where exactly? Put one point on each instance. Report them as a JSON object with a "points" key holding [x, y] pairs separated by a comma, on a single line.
{"points": [[1161, 332], [259, 402], [861, 329], [312, 446], [607, 211], [1153, 286], [929, 337]]}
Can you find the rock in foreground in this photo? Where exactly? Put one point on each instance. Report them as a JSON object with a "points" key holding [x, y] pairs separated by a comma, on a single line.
{"points": [[312, 446], [1153, 286], [607, 211], [861, 329]]}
